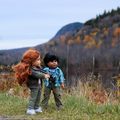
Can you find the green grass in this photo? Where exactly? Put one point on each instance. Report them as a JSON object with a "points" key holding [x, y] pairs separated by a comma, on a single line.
{"points": [[75, 108]]}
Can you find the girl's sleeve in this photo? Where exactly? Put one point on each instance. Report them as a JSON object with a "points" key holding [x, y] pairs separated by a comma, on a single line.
{"points": [[38, 74]]}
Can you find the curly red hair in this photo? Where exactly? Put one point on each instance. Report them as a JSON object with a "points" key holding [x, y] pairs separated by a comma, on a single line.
{"points": [[22, 69]]}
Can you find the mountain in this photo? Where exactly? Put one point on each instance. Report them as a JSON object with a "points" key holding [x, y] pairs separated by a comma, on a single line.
{"points": [[71, 28], [12, 56]]}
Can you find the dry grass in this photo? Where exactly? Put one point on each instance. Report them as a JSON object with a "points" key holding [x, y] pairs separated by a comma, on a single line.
{"points": [[91, 89], [7, 81], [9, 84]]}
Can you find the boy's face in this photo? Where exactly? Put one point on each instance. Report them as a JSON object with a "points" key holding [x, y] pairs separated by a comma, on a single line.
{"points": [[52, 64]]}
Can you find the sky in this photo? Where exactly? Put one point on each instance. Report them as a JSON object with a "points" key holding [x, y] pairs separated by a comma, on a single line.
{"points": [[26, 23]]}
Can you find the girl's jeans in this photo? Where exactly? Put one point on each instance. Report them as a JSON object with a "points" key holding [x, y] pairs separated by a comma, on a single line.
{"points": [[34, 98]]}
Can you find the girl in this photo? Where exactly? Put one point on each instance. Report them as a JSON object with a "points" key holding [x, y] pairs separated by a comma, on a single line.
{"points": [[27, 72]]}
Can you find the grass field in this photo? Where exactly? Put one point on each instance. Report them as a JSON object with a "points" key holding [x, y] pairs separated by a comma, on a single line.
{"points": [[75, 108], [89, 101]]}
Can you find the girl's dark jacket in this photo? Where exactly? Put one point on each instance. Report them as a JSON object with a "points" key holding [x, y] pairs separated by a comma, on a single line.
{"points": [[35, 79]]}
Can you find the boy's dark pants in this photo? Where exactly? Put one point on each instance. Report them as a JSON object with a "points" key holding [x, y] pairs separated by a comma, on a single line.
{"points": [[34, 98], [57, 96]]}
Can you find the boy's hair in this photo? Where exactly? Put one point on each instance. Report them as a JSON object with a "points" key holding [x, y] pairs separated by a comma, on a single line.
{"points": [[49, 58]]}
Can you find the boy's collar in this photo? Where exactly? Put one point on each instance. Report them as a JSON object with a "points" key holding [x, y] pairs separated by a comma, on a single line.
{"points": [[53, 68]]}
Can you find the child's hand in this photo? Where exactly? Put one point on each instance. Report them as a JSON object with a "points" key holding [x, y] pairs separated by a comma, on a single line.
{"points": [[47, 76], [62, 86]]}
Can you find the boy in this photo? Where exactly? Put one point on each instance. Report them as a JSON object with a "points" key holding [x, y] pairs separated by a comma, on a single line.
{"points": [[55, 81]]}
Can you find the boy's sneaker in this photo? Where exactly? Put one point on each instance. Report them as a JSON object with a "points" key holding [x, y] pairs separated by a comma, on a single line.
{"points": [[60, 107], [31, 112], [38, 110]]}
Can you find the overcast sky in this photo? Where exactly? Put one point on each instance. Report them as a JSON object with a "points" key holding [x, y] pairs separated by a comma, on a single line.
{"points": [[33, 22]]}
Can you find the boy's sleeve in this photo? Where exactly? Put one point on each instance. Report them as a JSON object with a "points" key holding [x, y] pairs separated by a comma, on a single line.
{"points": [[62, 79]]}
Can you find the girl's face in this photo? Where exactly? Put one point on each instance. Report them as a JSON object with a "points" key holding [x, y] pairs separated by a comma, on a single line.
{"points": [[37, 62], [52, 64]]}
